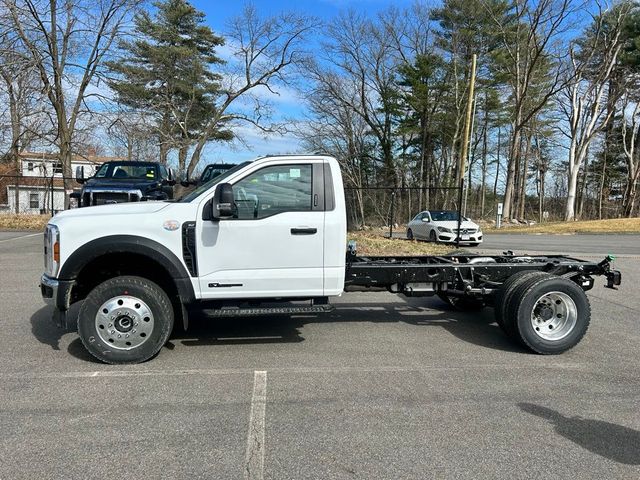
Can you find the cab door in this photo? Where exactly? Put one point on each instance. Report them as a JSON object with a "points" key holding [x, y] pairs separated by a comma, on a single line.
{"points": [[273, 247]]}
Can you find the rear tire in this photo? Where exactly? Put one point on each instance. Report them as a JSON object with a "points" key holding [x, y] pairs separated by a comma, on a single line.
{"points": [[506, 291], [125, 320], [550, 316]]}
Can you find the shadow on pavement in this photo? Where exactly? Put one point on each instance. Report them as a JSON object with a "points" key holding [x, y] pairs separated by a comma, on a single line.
{"points": [[238, 331], [477, 328], [609, 440], [45, 330]]}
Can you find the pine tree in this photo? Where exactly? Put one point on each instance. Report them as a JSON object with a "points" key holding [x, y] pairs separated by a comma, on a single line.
{"points": [[167, 72]]}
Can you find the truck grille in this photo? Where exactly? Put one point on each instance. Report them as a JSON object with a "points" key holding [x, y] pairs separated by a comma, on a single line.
{"points": [[103, 198]]}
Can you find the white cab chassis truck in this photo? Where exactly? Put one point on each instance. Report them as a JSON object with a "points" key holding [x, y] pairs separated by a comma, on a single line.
{"points": [[269, 232]]}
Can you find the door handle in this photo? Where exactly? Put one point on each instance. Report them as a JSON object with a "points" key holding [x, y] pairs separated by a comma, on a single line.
{"points": [[304, 231]]}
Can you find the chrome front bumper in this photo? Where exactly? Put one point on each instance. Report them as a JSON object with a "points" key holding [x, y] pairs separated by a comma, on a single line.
{"points": [[57, 293], [49, 289]]}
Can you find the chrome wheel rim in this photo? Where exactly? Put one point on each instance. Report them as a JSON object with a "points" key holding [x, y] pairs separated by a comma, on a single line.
{"points": [[554, 316], [124, 322]]}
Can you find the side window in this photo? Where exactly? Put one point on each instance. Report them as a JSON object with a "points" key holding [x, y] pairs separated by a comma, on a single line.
{"points": [[163, 172], [273, 190]]}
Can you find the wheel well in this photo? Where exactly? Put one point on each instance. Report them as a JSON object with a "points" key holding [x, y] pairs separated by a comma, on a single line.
{"points": [[115, 264]]}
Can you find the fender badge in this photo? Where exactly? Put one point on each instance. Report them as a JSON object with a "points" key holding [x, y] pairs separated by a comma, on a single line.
{"points": [[171, 225]]}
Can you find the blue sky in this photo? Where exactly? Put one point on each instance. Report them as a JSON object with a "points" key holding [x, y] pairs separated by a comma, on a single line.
{"points": [[288, 104]]}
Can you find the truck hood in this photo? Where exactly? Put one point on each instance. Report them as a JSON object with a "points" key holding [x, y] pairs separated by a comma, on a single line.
{"points": [[453, 225], [132, 208], [142, 184]]}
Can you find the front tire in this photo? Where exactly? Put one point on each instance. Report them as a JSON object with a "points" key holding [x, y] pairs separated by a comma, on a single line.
{"points": [[125, 320], [433, 237], [409, 235]]}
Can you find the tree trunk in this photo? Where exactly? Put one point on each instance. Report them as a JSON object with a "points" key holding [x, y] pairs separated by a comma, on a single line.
{"points": [[585, 172], [65, 156], [574, 170], [495, 183], [512, 161], [523, 175]]}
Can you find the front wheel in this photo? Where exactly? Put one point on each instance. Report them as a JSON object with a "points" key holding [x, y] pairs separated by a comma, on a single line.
{"points": [[409, 235], [432, 236], [125, 320]]}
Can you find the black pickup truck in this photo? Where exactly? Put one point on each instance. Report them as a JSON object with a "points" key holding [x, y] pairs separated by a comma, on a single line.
{"points": [[119, 182]]}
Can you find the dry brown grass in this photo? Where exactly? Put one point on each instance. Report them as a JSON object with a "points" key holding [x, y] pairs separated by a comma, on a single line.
{"points": [[23, 222], [376, 245], [616, 225]]}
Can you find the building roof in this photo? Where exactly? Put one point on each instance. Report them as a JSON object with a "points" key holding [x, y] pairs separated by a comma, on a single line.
{"points": [[90, 158]]}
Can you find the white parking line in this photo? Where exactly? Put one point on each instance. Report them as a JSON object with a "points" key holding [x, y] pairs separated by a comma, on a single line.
{"points": [[254, 459], [18, 238]]}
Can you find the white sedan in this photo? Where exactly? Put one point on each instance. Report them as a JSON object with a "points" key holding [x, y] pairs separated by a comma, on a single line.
{"points": [[441, 226]]}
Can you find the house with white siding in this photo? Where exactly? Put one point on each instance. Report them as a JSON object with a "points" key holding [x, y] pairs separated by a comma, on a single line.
{"points": [[39, 181]]}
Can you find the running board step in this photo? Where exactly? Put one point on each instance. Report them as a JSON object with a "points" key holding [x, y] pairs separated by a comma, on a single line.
{"points": [[251, 312]]}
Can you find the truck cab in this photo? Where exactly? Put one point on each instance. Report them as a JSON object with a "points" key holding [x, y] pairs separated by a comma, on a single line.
{"points": [[283, 237]]}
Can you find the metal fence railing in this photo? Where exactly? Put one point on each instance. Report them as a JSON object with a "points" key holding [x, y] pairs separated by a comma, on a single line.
{"points": [[393, 207]]}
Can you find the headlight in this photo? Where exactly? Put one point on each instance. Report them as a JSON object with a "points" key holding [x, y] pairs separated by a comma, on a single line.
{"points": [[444, 230], [51, 251]]}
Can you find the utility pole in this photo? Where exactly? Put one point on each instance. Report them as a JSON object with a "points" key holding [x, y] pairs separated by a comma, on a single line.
{"points": [[465, 143]]}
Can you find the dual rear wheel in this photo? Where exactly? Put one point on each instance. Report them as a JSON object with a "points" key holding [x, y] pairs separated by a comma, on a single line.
{"points": [[544, 313]]}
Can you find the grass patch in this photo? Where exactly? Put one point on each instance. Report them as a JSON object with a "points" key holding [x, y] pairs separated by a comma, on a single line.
{"points": [[23, 222], [614, 225], [376, 245]]}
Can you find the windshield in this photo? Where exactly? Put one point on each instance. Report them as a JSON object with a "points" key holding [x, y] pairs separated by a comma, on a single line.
{"points": [[206, 186], [126, 170], [444, 216]]}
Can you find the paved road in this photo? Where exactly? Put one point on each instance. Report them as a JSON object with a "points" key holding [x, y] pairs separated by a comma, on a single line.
{"points": [[618, 244], [592, 244], [383, 388]]}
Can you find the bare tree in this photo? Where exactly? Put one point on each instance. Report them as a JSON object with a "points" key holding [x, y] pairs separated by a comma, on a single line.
{"points": [[264, 51], [630, 140], [336, 129], [532, 69], [358, 51], [68, 41], [592, 65]]}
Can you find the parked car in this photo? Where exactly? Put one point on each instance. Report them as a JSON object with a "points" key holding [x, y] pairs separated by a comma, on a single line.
{"points": [[120, 182], [441, 226]]}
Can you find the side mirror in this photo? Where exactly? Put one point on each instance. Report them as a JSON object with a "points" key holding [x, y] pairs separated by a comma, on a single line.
{"points": [[425, 219], [222, 205], [80, 174]]}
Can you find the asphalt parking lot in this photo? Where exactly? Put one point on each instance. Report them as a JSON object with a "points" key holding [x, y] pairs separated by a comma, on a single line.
{"points": [[382, 388]]}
